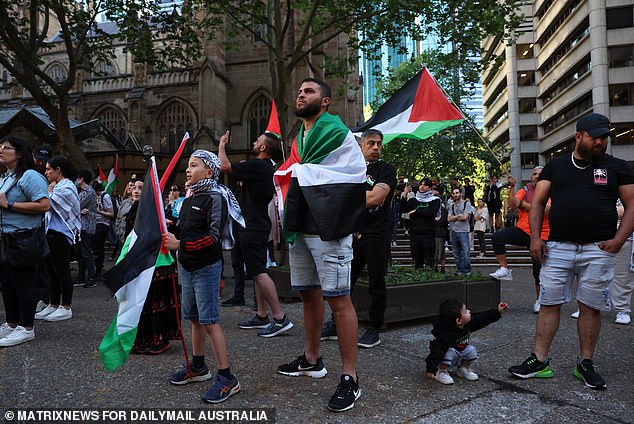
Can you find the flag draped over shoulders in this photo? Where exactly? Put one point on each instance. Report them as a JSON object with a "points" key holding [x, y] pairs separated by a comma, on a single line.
{"points": [[324, 175]]}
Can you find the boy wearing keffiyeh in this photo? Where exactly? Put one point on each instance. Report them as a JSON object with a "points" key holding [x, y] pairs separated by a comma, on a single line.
{"points": [[202, 223]]}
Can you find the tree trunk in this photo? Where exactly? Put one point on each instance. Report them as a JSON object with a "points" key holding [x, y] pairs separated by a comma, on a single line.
{"points": [[65, 138]]}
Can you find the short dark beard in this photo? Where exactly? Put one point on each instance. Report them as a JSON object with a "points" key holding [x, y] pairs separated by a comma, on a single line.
{"points": [[589, 156], [309, 110]]}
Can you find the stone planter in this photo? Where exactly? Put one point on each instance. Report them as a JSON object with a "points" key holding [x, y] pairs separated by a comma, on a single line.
{"points": [[415, 301], [412, 301], [282, 279], [482, 295]]}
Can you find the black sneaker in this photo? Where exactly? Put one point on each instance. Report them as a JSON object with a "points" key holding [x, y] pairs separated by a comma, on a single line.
{"points": [[182, 376], [301, 366], [370, 338], [532, 367], [255, 322], [234, 301], [586, 372], [329, 331], [346, 394], [90, 285]]}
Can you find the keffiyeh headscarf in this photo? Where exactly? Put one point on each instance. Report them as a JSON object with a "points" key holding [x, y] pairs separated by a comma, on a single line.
{"points": [[211, 184], [426, 197]]}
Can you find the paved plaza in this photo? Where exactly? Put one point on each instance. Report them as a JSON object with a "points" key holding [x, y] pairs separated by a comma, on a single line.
{"points": [[62, 369]]}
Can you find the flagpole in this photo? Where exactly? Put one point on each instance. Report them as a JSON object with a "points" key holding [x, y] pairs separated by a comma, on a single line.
{"points": [[178, 324], [470, 125]]}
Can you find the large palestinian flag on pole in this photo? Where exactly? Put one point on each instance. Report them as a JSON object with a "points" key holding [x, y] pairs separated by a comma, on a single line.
{"points": [[324, 174], [113, 176], [416, 111], [129, 280]]}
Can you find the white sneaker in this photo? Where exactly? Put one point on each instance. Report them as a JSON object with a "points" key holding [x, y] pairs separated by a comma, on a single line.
{"points": [[622, 318], [59, 315], [575, 314], [45, 312], [503, 274], [443, 376], [5, 330], [41, 305], [467, 374], [19, 335], [536, 307]]}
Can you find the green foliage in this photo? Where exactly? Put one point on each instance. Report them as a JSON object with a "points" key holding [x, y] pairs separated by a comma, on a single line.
{"points": [[400, 276]]}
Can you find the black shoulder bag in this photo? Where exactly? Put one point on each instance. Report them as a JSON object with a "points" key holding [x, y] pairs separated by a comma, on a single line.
{"points": [[23, 248]]}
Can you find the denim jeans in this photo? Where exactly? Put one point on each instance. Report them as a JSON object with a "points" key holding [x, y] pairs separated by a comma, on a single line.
{"points": [[460, 248]]}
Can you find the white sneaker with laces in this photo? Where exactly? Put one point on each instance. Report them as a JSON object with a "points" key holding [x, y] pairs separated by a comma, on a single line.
{"points": [[60, 314], [575, 314], [503, 274], [443, 376], [623, 318], [19, 335], [5, 330], [45, 312], [536, 307], [41, 305], [467, 374]]}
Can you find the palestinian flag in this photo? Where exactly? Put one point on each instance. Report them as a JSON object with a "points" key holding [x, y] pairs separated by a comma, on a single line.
{"points": [[113, 176], [129, 280], [101, 177], [325, 174], [416, 111], [273, 126]]}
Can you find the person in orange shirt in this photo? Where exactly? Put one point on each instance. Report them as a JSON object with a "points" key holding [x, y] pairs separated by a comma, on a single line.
{"points": [[520, 234]]}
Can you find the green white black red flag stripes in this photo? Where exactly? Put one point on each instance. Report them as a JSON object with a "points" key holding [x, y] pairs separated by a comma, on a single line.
{"points": [[324, 174], [113, 176], [129, 280], [417, 111]]}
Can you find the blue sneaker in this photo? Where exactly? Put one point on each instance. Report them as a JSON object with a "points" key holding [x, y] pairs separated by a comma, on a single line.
{"points": [[182, 376], [222, 390], [275, 328]]}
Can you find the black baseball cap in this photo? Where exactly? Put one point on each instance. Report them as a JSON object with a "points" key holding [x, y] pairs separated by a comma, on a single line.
{"points": [[42, 153], [594, 124]]}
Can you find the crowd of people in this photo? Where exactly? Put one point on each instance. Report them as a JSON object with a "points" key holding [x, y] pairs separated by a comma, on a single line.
{"points": [[342, 203]]}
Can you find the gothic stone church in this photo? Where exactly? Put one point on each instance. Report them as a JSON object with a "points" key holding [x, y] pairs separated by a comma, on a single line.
{"points": [[141, 107]]}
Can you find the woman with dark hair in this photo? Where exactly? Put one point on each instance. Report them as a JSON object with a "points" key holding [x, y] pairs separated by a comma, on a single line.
{"points": [[64, 225], [23, 201]]}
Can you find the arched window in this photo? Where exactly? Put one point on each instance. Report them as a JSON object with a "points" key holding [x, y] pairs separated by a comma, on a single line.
{"points": [[57, 72], [175, 120], [258, 118], [114, 121], [106, 69]]}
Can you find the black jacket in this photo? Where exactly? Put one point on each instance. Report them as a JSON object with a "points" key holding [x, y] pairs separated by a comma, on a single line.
{"points": [[200, 224], [447, 336]]}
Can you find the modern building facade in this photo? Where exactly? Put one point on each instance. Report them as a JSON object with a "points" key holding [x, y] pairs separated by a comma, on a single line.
{"points": [[570, 58]]}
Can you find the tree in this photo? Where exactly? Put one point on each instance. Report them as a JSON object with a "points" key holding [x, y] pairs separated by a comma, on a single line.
{"points": [[30, 28], [294, 30]]}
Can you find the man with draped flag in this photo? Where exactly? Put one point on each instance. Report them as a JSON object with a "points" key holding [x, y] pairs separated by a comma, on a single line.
{"points": [[323, 195], [129, 280], [416, 111]]}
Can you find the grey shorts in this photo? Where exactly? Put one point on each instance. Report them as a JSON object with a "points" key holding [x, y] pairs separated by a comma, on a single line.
{"points": [[455, 357], [593, 268], [318, 264]]}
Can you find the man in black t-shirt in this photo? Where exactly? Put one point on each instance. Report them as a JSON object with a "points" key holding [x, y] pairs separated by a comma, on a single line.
{"points": [[494, 203], [254, 196], [371, 246], [583, 242]]}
